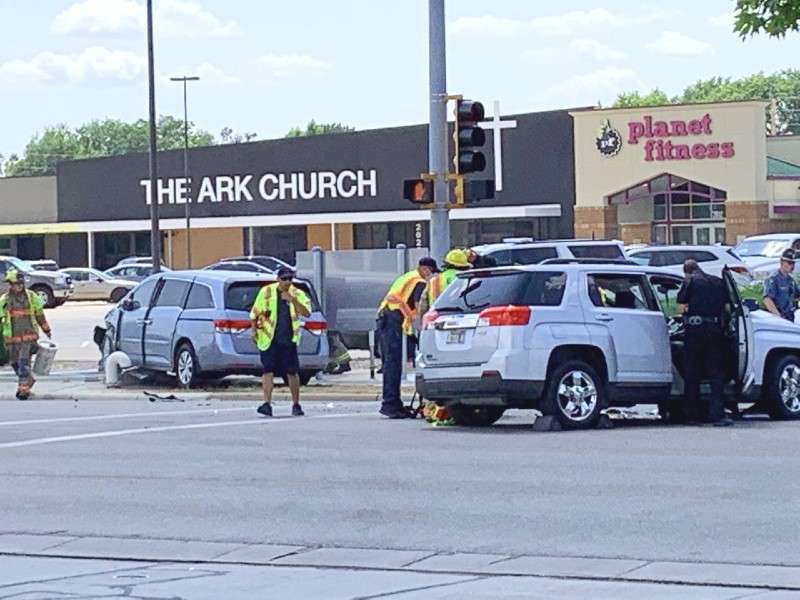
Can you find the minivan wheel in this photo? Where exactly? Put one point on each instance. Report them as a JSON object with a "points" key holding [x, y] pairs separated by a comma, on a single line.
{"points": [[575, 395], [783, 388], [45, 295], [186, 367], [117, 294], [475, 416]]}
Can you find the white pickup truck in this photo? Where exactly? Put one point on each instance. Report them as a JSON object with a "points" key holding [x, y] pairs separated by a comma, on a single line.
{"points": [[543, 336]]}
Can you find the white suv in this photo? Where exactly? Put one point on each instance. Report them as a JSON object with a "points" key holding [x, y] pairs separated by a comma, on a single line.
{"points": [[525, 251], [574, 339], [712, 259], [762, 253]]}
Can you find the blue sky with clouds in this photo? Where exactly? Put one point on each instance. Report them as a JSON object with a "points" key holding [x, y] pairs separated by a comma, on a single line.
{"points": [[268, 65]]}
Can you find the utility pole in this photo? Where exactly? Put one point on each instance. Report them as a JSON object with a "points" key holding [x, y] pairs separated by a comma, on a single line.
{"points": [[437, 131], [187, 211], [155, 232]]}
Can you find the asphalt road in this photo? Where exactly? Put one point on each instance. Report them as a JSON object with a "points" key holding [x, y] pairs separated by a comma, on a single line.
{"points": [[344, 478]]}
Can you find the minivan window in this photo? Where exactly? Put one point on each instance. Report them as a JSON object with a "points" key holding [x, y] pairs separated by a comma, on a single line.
{"points": [[607, 251], [199, 297], [173, 293], [240, 295], [143, 293], [473, 294]]}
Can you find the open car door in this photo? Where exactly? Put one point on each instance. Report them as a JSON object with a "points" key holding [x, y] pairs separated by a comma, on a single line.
{"points": [[740, 328]]}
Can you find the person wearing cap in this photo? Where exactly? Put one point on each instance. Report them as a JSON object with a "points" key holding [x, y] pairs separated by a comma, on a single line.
{"points": [[396, 315], [781, 291], [276, 325], [22, 314], [703, 300], [455, 262]]}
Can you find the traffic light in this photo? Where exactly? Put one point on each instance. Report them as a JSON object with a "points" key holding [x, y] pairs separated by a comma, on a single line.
{"points": [[418, 191], [468, 137]]}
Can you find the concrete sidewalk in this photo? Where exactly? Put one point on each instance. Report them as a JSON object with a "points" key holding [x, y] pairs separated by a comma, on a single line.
{"points": [[88, 385]]}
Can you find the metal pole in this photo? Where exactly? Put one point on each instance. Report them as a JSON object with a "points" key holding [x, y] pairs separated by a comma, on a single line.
{"points": [[155, 233], [437, 131], [186, 206]]}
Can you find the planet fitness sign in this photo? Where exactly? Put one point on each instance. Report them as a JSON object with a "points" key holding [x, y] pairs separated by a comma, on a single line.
{"points": [[664, 143]]}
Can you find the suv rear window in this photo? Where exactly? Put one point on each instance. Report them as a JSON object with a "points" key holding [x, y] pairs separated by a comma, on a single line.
{"points": [[241, 295], [473, 294], [608, 251]]}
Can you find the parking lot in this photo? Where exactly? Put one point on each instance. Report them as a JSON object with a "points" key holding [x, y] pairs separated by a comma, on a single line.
{"points": [[684, 504]]}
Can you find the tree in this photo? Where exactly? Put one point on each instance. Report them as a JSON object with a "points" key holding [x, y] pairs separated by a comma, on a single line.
{"points": [[773, 17], [228, 136], [107, 137], [783, 86], [314, 128]]}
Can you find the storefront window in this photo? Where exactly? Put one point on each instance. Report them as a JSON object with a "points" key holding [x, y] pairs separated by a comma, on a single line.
{"points": [[280, 242]]}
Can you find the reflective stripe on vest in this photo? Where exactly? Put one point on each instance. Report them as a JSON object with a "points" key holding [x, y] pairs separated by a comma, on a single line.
{"points": [[399, 295], [439, 284]]}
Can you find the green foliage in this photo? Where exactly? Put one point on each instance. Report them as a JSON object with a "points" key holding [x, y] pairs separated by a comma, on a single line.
{"points": [[229, 136], [773, 17], [314, 128], [107, 137], [783, 86]]}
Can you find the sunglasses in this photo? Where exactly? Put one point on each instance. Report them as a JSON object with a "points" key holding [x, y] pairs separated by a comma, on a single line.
{"points": [[288, 278]]}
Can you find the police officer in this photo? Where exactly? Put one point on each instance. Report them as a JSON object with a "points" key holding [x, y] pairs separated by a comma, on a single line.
{"points": [[455, 262], [703, 300], [780, 289], [395, 319]]}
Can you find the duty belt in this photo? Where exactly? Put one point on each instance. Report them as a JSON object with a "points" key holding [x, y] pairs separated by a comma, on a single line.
{"points": [[696, 320]]}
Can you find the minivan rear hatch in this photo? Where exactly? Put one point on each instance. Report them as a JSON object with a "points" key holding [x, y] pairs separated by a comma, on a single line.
{"points": [[239, 298], [468, 321]]}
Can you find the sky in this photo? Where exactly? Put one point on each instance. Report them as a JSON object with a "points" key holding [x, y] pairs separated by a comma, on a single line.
{"points": [[267, 65]]}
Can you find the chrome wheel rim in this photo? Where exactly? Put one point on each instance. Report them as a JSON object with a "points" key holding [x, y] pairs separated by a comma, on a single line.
{"points": [[577, 395], [43, 296], [789, 387], [185, 367]]}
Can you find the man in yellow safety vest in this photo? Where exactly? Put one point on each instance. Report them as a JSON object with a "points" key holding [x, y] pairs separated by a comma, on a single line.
{"points": [[454, 263], [396, 315], [276, 325]]}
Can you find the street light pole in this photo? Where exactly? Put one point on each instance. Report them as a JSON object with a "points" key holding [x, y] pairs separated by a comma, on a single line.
{"points": [[186, 206], [437, 130], [155, 232]]}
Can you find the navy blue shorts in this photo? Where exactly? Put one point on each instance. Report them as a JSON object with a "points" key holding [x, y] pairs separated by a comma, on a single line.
{"points": [[280, 359]]}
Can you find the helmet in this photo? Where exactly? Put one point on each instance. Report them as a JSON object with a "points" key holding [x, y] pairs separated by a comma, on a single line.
{"points": [[457, 258], [12, 276]]}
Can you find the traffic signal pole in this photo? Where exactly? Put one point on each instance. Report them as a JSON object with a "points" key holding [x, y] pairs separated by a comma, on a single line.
{"points": [[437, 131]]}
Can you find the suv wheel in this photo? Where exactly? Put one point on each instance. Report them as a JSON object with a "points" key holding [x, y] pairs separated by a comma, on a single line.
{"points": [[575, 395], [475, 416], [45, 295], [186, 366], [783, 389]]}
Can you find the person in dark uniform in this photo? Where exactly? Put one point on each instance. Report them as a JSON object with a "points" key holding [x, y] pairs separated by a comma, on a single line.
{"points": [[781, 290], [704, 302]]}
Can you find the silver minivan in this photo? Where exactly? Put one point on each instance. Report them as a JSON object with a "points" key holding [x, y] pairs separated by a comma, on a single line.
{"points": [[196, 325]]}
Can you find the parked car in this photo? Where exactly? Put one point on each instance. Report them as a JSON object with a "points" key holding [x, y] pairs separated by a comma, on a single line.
{"points": [[132, 272], [238, 265], [712, 259], [53, 288], [91, 284], [574, 339], [525, 251], [762, 253], [270, 262], [137, 260], [196, 325], [44, 264]]}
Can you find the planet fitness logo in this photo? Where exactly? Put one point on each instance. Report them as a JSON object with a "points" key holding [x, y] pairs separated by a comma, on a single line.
{"points": [[609, 140]]}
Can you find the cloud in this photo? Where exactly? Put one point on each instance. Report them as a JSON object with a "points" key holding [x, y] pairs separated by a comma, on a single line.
{"points": [[723, 21], [572, 23], [172, 19], [285, 66], [587, 89], [91, 65], [209, 75], [578, 49], [672, 43]]}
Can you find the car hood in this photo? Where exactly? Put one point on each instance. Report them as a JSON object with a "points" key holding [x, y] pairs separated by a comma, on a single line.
{"points": [[763, 320]]}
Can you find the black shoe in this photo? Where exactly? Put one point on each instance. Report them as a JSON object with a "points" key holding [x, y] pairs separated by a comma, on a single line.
{"points": [[297, 411], [394, 413], [265, 409], [724, 422]]}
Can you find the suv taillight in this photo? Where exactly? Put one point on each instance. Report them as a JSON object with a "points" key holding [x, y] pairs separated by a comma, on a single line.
{"points": [[740, 269], [316, 327], [504, 315], [231, 325], [428, 319]]}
